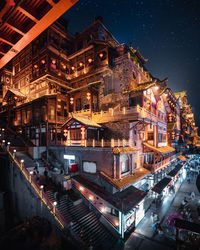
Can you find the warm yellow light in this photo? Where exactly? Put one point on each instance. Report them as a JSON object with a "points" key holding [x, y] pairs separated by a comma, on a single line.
{"points": [[100, 55], [54, 61], [35, 66], [80, 64], [90, 198], [116, 224], [90, 60], [81, 189], [43, 61], [72, 68]]}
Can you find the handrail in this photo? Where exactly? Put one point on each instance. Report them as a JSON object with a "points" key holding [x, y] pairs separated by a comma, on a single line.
{"points": [[42, 195], [107, 219]]}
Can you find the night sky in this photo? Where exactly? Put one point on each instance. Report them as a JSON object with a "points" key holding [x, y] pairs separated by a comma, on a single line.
{"points": [[166, 32]]}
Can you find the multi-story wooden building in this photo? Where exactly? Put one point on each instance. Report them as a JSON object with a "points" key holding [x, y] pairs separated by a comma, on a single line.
{"points": [[91, 101]]}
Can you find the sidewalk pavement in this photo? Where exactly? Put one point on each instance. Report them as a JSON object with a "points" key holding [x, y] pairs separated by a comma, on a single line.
{"points": [[143, 235]]}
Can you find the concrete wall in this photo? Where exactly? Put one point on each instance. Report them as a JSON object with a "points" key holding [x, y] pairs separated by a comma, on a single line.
{"points": [[102, 156], [36, 152], [23, 202]]}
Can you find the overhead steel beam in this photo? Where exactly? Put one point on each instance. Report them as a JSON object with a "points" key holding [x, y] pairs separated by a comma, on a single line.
{"points": [[50, 2], [52, 15], [23, 11], [13, 28], [6, 41]]}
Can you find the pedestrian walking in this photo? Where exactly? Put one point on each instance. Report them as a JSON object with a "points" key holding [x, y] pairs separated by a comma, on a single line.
{"points": [[192, 196], [155, 218], [36, 167], [152, 217], [184, 202]]}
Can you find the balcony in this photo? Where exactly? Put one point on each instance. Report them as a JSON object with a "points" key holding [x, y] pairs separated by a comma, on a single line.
{"points": [[133, 113], [161, 164], [95, 143]]}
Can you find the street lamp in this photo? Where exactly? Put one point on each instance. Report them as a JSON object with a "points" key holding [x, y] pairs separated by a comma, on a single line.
{"points": [[54, 206], [22, 161], [14, 152], [41, 189], [8, 145]]}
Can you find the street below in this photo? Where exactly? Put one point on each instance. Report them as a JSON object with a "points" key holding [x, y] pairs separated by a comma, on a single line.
{"points": [[144, 237]]}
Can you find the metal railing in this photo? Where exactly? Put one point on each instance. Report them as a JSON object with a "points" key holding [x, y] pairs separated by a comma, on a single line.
{"points": [[75, 185], [64, 224]]}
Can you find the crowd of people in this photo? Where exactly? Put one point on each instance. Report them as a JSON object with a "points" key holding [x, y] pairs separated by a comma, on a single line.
{"points": [[44, 178]]}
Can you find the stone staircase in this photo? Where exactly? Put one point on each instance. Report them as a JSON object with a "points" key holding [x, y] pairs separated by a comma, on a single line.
{"points": [[84, 223]]}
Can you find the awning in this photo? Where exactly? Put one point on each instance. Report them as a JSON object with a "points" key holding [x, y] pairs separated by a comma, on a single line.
{"points": [[187, 225], [129, 198], [158, 188], [125, 200], [182, 158], [126, 180], [127, 150], [175, 170], [161, 150]]}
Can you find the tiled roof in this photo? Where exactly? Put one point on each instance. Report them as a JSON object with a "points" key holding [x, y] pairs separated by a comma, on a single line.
{"points": [[175, 170], [182, 158], [125, 200], [14, 92], [84, 121], [127, 180], [158, 188], [161, 150], [128, 150], [141, 87]]}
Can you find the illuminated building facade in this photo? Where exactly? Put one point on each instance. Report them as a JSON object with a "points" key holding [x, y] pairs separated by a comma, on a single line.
{"points": [[189, 134], [91, 101]]}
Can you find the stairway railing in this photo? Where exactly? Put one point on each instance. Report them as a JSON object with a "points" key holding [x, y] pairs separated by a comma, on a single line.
{"points": [[64, 224]]}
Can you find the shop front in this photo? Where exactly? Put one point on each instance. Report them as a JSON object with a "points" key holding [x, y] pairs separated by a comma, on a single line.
{"points": [[178, 174], [123, 210], [161, 189]]}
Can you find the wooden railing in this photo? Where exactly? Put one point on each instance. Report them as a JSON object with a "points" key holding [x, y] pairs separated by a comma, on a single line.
{"points": [[162, 163], [64, 224], [119, 114]]}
